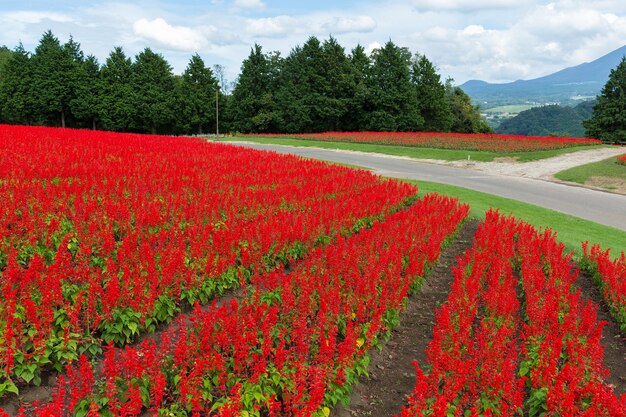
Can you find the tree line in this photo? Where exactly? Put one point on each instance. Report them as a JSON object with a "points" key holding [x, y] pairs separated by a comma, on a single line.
{"points": [[317, 87], [550, 120]]}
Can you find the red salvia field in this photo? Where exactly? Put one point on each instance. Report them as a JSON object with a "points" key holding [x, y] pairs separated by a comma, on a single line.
{"points": [[278, 275], [443, 140]]}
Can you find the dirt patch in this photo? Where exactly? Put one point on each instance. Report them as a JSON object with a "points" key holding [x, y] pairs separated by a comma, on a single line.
{"points": [[391, 374], [505, 160], [613, 340], [544, 168], [616, 185]]}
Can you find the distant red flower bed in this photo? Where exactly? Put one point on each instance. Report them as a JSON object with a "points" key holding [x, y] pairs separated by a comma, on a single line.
{"points": [[621, 159], [474, 142]]}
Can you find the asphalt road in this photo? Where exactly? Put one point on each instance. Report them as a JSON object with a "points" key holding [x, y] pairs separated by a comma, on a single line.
{"points": [[598, 206]]}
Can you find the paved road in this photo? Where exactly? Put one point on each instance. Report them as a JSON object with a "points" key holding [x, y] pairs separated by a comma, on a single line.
{"points": [[600, 207]]}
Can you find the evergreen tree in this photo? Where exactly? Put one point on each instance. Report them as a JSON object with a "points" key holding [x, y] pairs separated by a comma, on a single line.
{"points": [[116, 92], [154, 87], [252, 107], [85, 105], [16, 89], [197, 90], [608, 121], [466, 117], [360, 103], [298, 98], [5, 56], [55, 76], [431, 95], [336, 88], [395, 106]]}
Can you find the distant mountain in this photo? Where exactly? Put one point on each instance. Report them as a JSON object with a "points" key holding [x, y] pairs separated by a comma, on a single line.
{"points": [[567, 86], [549, 120]]}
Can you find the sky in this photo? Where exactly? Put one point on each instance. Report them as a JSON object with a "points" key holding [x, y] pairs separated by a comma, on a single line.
{"points": [[491, 40]]}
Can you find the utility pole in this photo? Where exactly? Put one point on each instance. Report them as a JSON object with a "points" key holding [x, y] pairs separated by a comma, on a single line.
{"points": [[217, 111]]}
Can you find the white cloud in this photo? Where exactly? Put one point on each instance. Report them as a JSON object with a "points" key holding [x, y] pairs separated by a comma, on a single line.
{"points": [[467, 5], [31, 17], [249, 4], [272, 26], [372, 46], [359, 24], [175, 37]]}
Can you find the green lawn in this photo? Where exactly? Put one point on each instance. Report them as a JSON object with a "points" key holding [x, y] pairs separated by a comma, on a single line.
{"points": [[414, 152], [606, 168], [570, 230]]}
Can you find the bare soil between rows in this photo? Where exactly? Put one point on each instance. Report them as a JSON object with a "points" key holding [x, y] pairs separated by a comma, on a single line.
{"points": [[391, 373], [613, 340]]}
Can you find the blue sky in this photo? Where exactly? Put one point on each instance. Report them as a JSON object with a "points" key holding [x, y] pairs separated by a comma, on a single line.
{"points": [[493, 40]]}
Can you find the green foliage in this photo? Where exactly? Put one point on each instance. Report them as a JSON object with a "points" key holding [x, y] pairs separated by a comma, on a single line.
{"points": [[393, 95], [16, 101], [115, 108], [431, 95], [317, 87], [153, 84], [314, 87], [253, 106], [466, 117], [84, 105], [56, 73], [608, 121], [553, 120], [196, 97]]}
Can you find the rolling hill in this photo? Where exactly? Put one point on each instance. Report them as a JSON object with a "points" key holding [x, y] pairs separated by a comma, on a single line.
{"points": [[567, 86]]}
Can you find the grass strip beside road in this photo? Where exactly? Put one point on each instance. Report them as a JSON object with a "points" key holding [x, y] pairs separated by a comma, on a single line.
{"points": [[605, 168], [571, 230], [415, 152]]}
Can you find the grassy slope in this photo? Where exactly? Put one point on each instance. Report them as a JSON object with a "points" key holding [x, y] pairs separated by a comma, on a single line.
{"points": [[606, 168], [571, 230], [420, 153]]}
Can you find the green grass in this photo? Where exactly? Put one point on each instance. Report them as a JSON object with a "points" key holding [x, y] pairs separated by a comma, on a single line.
{"points": [[606, 168], [571, 230], [414, 152]]}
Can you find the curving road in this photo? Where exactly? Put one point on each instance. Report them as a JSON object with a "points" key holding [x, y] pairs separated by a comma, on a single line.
{"points": [[600, 207]]}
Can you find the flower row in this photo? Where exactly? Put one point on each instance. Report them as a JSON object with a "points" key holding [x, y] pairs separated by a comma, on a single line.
{"points": [[104, 235], [291, 347], [610, 275], [514, 336], [445, 140], [621, 159]]}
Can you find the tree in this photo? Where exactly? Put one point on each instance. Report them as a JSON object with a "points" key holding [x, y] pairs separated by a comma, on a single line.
{"points": [[466, 117], [16, 88], [116, 105], [297, 96], [253, 107], [153, 83], [85, 105], [608, 121], [55, 76], [360, 103], [197, 89], [431, 95], [394, 99]]}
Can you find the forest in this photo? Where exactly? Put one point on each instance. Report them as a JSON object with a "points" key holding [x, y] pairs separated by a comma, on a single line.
{"points": [[317, 87]]}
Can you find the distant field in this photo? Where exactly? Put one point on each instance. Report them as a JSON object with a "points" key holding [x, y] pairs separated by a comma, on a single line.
{"points": [[512, 108], [411, 151]]}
